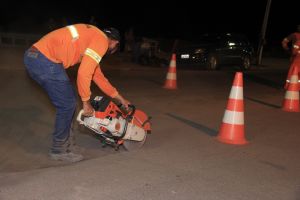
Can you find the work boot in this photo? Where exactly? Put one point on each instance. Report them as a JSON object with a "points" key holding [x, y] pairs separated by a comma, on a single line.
{"points": [[72, 145], [66, 156], [75, 149]]}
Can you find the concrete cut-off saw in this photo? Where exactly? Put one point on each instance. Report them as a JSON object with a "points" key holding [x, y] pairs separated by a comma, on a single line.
{"points": [[115, 126]]}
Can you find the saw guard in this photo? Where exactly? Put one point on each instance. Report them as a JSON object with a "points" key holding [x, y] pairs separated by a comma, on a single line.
{"points": [[134, 132], [140, 119]]}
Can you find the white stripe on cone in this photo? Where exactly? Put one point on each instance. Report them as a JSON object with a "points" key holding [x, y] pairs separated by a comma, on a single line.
{"points": [[294, 79], [173, 63], [236, 92], [171, 76], [292, 95], [233, 117], [290, 81]]}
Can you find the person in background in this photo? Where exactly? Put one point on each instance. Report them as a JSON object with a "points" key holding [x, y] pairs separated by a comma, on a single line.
{"points": [[292, 43], [129, 40]]}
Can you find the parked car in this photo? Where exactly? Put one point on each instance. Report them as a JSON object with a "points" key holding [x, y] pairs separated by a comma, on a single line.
{"points": [[216, 50]]}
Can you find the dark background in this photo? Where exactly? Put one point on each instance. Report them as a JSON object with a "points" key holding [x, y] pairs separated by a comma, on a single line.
{"points": [[164, 19]]}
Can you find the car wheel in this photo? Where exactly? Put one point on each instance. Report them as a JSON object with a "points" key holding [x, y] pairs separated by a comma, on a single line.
{"points": [[212, 63], [246, 63]]}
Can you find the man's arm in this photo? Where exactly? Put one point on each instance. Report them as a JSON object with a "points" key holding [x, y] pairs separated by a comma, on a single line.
{"points": [[107, 88], [92, 57], [84, 77], [104, 84]]}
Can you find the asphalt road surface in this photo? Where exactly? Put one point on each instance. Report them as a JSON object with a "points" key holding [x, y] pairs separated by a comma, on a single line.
{"points": [[181, 159]]}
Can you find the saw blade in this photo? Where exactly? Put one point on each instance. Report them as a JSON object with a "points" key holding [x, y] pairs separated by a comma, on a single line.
{"points": [[131, 145]]}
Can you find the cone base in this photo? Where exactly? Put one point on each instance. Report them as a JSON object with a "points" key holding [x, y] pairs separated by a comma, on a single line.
{"points": [[170, 86], [291, 110], [291, 106], [232, 134], [226, 141]]}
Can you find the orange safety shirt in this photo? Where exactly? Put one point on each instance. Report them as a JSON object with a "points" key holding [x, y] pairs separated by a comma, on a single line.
{"points": [[79, 43]]}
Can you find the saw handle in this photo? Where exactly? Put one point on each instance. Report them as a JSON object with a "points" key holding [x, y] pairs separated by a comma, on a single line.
{"points": [[80, 115], [129, 112]]}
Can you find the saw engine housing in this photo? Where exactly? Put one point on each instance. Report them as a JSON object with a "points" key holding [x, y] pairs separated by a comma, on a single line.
{"points": [[115, 124]]}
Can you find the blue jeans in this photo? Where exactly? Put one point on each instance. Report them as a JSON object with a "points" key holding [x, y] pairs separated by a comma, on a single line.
{"points": [[54, 80]]}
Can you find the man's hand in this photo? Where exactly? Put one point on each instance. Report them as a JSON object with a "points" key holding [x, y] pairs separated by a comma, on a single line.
{"points": [[88, 110], [284, 44], [123, 101]]}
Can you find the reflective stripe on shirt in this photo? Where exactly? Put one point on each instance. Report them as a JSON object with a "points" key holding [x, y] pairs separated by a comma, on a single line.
{"points": [[94, 55], [73, 32]]}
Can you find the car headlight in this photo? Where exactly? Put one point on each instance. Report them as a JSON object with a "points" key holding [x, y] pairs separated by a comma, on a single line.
{"points": [[199, 51]]}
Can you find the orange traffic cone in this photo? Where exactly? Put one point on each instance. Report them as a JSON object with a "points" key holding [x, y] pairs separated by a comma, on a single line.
{"points": [[295, 64], [291, 99], [171, 82], [232, 128]]}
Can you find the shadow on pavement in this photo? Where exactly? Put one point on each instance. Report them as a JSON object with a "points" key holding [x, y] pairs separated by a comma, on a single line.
{"points": [[205, 129], [263, 103], [263, 81]]}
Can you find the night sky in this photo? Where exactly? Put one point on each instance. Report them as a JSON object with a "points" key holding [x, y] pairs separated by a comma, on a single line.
{"points": [[183, 19]]}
